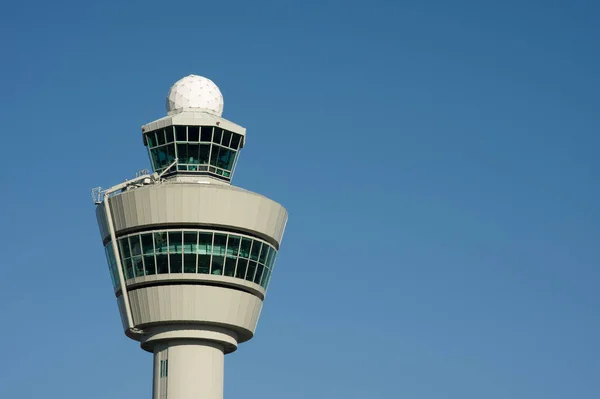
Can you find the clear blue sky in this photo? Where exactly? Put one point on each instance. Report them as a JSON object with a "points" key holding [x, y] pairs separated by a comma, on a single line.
{"points": [[439, 161]]}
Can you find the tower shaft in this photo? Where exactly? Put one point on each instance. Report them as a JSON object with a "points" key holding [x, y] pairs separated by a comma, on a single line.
{"points": [[188, 369]]}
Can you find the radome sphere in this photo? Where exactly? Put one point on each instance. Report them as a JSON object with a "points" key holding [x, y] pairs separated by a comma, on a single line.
{"points": [[196, 93]]}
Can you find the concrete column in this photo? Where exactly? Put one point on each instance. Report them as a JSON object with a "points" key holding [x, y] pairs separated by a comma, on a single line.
{"points": [[188, 369]]}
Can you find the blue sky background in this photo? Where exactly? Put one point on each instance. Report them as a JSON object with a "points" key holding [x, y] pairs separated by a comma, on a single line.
{"points": [[438, 160]]}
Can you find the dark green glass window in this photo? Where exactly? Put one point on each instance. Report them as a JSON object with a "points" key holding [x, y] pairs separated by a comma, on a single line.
{"points": [[151, 139], [147, 244], [192, 154], [189, 263], [180, 133], [191, 251], [259, 273], [206, 133], [170, 154], [218, 259], [136, 246], [161, 157], [217, 135], [271, 257], [266, 277], [125, 250], [242, 265], [149, 265], [245, 248], [233, 244], [182, 153], [193, 134], [251, 270], [169, 134], [162, 264], [263, 254], [225, 159], [205, 243], [160, 137], [175, 242], [226, 138], [256, 245], [204, 153], [128, 269], [138, 266], [235, 141], [175, 262], [203, 263], [160, 242], [190, 239], [214, 155], [229, 266]]}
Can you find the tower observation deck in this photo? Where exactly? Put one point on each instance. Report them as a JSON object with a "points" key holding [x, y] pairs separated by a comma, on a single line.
{"points": [[190, 256]]}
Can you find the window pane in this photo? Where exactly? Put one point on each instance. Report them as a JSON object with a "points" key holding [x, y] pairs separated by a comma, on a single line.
{"points": [[229, 266], [170, 154], [224, 156], [231, 160], [217, 265], [265, 279], [161, 156], [138, 266], [219, 244], [205, 243], [259, 273], [203, 264], [160, 137], [214, 155], [151, 139], [192, 154], [233, 243], [160, 242], [193, 134], [263, 254], [206, 133], [255, 250], [242, 265], [245, 248], [136, 247], [182, 153], [124, 245], [128, 265], [218, 133], [190, 238], [175, 262], [147, 244], [169, 134], [271, 257], [149, 265], [204, 153], [162, 264], [235, 141], [175, 242], [189, 263], [251, 270], [218, 259], [226, 138], [155, 158], [180, 133]]}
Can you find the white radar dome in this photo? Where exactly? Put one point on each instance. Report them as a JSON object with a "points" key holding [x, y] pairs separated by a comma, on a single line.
{"points": [[195, 93]]}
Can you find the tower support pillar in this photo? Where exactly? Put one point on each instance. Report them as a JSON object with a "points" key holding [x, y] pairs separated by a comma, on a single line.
{"points": [[188, 369]]}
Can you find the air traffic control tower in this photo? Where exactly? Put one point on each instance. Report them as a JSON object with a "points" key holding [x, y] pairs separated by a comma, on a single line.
{"points": [[190, 255]]}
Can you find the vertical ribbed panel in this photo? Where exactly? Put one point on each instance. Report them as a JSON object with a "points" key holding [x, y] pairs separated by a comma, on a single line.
{"points": [[195, 303], [197, 203]]}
